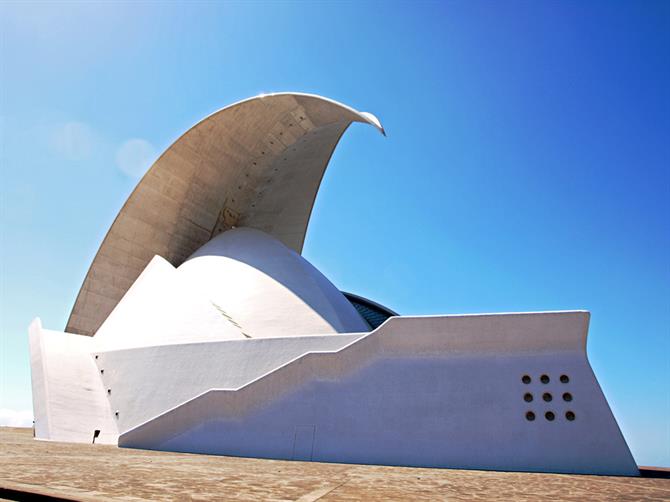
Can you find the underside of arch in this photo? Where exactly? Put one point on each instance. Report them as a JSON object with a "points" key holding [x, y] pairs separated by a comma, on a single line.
{"points": [[257, 163]]}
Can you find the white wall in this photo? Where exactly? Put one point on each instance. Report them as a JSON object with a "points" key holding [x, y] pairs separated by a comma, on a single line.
{"points": [[145, 382], [441, 391], [69, 400]]}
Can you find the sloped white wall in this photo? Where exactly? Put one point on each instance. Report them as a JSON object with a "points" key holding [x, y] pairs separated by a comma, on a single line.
{"points": [[147, 381], [440, 391], [70, 402]]}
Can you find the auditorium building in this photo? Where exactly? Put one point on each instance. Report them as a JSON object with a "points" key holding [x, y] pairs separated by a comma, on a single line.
{"points": [[200, 328]]}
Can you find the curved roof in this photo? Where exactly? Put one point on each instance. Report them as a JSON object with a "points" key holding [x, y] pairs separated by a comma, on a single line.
{"points": [[266, 289], [256, 163]]}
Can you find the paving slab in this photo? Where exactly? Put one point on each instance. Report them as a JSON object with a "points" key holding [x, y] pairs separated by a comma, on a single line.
{"points": [[98, 472]]}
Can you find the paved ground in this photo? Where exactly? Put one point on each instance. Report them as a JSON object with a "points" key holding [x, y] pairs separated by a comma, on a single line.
{"points": [[96, 472]]}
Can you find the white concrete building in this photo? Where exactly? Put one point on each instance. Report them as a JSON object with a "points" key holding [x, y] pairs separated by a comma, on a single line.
{"points": [[200, 328]]}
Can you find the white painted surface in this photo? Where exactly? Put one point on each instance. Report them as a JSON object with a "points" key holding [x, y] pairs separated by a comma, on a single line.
{"points": [[268, 289], [433, 391], [70, 402], [161, 308], [145, 382]]}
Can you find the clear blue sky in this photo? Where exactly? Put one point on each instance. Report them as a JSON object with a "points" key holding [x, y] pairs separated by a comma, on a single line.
{"points": [[527, 163]]}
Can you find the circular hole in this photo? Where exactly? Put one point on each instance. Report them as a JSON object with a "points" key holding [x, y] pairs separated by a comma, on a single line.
{"points": [[262, 153], [546, 396], [565, 379], [569, 415], [528, 397], [272, 142], [253, 163], [567, 397], [109, 391], [544, 379], [525, 379], [97, 357], [549, 415], [102, 372], [530, 416], [281, 133]]}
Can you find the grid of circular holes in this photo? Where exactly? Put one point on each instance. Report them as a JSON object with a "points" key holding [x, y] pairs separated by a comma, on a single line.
{"points": [[547, 397]]}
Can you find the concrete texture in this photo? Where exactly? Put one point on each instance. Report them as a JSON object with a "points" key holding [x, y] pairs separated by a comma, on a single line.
{"points": [[257, 163], [98, 472], [444, 391]]}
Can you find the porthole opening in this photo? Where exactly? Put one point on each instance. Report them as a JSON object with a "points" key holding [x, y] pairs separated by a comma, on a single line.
{"points": [[530, 416], [547, 397], [528, 397], [569, 415], [567, 397], [544, 379], [525, 379], [565, 379], [549, 415]]}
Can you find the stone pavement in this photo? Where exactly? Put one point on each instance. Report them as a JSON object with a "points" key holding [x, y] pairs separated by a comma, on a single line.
{"points": [[97, 472]]}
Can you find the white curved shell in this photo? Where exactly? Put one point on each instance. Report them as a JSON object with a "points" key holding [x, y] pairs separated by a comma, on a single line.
{"points": [[267, 290], [257, 163]]}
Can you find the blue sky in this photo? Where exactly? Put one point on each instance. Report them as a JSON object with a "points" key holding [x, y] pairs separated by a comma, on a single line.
{"points": [[527, 163]]}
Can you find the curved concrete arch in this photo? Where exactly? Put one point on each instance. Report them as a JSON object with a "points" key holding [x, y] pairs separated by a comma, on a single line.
{"points": [[256, 163]]}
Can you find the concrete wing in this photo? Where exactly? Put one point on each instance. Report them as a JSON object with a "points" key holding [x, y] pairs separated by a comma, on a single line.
{"points": [[257, 163]]}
